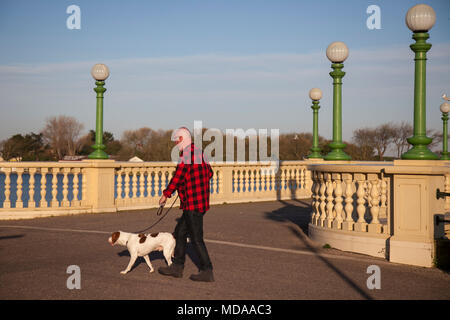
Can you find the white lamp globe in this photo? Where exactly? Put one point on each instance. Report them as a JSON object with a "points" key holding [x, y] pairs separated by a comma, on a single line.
{"points": [[445, 107], [100, 72], [315, 94], [337, 52], [420, 18]]}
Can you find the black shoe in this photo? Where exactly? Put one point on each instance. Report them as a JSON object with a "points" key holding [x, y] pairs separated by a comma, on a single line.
{"points": [[203, 275], [174, 270]]}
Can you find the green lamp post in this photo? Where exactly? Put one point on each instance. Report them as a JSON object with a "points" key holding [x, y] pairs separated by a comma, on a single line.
{"points": [[99, 72], [420, 19], [337, 52], [315, 94], [445, 109]]}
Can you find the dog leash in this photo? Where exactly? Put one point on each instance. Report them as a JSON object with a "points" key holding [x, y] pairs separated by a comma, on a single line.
{"points": [[158, 213]]}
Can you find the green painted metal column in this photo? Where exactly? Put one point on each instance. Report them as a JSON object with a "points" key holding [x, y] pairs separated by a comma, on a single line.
{"points": [[419, 140], [99, 72], [315, 94], [444, 155], [337, 146], [445, 109]]}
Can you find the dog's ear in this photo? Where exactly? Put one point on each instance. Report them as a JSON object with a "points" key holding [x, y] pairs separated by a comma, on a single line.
{"points": [[142, 239], [115, 236]]}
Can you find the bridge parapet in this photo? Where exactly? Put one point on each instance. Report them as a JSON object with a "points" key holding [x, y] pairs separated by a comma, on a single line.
{"points": [[384, 209], [38, 189]]}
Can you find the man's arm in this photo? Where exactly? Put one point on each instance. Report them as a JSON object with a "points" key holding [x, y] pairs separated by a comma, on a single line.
{"points": [[176, 180]]}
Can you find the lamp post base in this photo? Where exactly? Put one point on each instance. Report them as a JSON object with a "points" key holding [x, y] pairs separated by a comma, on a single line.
{"points": [[98, 153], [315, 154], [445, 156], [419, 151], [337, 155], [337, 152]]}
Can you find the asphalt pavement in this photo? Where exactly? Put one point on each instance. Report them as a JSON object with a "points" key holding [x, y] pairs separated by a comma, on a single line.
{"points": [[259, 251]]}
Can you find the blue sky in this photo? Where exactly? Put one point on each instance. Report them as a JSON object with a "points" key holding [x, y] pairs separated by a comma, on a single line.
{"points": [[231, 64]]}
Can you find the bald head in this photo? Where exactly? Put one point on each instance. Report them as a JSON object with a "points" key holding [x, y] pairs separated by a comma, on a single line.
{"points": [[182, 136]]}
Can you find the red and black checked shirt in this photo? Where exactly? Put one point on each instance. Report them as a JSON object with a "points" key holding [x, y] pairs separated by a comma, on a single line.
{"points": [[191, 180]]}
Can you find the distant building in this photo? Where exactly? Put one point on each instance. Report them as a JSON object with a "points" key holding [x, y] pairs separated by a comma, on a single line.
{"points": [[74, 158], [135, 159]]}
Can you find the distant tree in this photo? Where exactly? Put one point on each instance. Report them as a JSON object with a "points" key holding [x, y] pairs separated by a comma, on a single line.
{"points": [[363, 138], [62, 133], [401, 132], [112, 146], [383, 136], [147, 144], [26, 148]]}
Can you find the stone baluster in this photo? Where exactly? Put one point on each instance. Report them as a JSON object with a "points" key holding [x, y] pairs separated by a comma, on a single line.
{"points": [[313, 203], [241, 182], [314, 200], [65, 188], [273, 174], [212, 182], [374, 226], [296, 179], [31, 201], [361, 224], [258, 181], [7, 202], [75, 182], [308, 180], [251, 182], [338, 207], [127, 185], [302, 178], [84, 181], [330, 205], [348, 223], [234, 181], [134, 184], [19, 202], [383, 205], [120, 186], [317, 203], [220, 177], [142, 185], [289, 180], [323, 188], [54, 202], [43, 201]]}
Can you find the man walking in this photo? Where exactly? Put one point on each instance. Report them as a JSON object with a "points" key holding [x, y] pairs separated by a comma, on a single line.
{"points": [[191, 181]]}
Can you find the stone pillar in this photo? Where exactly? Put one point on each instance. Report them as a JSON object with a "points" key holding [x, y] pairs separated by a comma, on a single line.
{"points": [[99, 175]]}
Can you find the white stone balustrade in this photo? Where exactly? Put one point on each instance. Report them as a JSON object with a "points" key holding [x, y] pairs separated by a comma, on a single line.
{"points": [[362, 196], [383, 209], [32, 189], [40, 187]]}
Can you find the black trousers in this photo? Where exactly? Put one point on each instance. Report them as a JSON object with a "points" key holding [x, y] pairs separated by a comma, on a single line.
{"points": [[191, 225]]}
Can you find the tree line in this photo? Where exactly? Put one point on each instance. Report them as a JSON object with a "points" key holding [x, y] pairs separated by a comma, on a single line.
{"points": [[63, 136]]}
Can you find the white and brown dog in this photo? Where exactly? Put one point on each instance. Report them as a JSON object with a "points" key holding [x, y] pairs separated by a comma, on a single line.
{"points": [[140, 245]]}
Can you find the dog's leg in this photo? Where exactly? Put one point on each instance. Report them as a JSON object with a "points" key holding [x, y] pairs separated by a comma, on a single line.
{"points": [[130, 264], [147, 260], [168, 253]]}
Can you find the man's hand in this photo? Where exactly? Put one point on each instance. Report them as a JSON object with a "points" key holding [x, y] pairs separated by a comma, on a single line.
{"points": [[162, 201]]}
